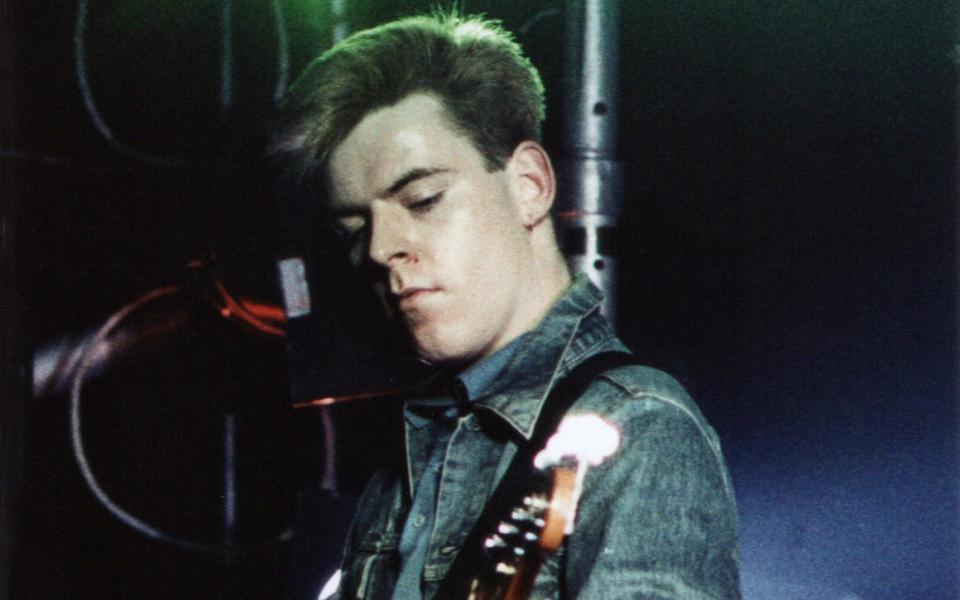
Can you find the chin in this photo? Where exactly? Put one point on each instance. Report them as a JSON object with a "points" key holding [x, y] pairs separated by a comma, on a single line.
{"points": [[439, 352], [452, 344], [439, 356]]}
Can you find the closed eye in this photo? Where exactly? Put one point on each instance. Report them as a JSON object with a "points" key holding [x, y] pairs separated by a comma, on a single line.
{"points": [[425, 204]]}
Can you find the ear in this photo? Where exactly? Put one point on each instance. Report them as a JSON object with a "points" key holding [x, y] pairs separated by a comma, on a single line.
{"points": [[533, 181]]}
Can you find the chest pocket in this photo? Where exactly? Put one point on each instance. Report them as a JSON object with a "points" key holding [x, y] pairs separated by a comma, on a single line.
{"points": [[373, 568]]}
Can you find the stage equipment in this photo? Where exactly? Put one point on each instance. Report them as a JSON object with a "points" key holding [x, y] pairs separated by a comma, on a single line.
{"points": [[140, 329], [591, 187], [227, 71]]}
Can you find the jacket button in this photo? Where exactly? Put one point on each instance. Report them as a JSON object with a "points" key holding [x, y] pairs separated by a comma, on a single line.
{"points": [[419, 520]]}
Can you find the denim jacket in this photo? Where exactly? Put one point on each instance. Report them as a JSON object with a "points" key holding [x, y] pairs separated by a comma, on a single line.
{"points": [[657, 520]]}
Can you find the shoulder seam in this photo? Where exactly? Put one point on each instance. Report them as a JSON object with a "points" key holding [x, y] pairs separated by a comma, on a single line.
{"points": [[712, 441], [662, 398]]}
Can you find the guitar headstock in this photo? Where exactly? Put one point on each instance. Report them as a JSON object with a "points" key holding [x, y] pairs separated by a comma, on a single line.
{"points": [[536, 526]]}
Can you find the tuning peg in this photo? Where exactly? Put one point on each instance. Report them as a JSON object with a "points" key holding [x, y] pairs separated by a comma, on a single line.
{"points": [[537, 503]]}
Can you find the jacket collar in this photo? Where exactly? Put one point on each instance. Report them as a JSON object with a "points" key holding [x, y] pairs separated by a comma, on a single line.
{"points": [[572, 329]]}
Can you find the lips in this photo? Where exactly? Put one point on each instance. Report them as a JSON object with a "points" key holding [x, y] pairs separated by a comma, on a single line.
{"points": [[411, 297]]}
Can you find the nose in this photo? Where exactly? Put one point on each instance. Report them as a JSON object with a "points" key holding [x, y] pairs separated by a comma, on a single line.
{"points": [[390, 241]]}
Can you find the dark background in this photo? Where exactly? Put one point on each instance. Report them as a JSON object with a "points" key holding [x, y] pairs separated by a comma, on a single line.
{"points": [[791, 203]]}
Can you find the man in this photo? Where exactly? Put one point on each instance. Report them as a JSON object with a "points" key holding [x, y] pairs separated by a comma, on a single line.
{"points": [[425, 134]]}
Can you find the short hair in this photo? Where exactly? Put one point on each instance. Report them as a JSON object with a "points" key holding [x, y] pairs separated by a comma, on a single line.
{"points": [[488, 88]]}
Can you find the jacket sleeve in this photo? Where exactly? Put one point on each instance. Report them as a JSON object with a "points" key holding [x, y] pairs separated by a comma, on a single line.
{"points": [[658, 520]]}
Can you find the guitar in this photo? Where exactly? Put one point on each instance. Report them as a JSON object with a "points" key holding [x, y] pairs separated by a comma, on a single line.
{"points": [[536, 527]]}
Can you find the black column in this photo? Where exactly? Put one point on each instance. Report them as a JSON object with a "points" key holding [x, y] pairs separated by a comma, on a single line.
{"points": [[14, 380]]}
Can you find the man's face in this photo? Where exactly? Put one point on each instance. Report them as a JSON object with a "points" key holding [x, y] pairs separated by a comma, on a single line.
{"points": [[449, 234]]}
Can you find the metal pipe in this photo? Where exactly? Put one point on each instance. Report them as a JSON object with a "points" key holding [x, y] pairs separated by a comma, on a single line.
{"points": [[341, 26], [55, 363], [229, 479], [226, 58], [591, 185]]}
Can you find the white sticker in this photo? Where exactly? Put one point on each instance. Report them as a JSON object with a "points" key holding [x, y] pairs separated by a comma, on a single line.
{"points": [[296, 292]]}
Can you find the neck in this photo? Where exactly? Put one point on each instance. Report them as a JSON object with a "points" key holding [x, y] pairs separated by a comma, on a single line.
{"points": [[550, 271]]}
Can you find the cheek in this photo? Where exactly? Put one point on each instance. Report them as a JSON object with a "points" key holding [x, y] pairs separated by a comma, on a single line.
{"points": [[456, 247], [483, 241]]}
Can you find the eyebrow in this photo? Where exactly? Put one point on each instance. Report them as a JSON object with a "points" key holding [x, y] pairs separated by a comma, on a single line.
{"points": [[346, 210], [411, 176]]}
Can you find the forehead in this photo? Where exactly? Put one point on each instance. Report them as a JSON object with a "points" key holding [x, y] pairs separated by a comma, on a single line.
{"points": [[415, 133]]}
